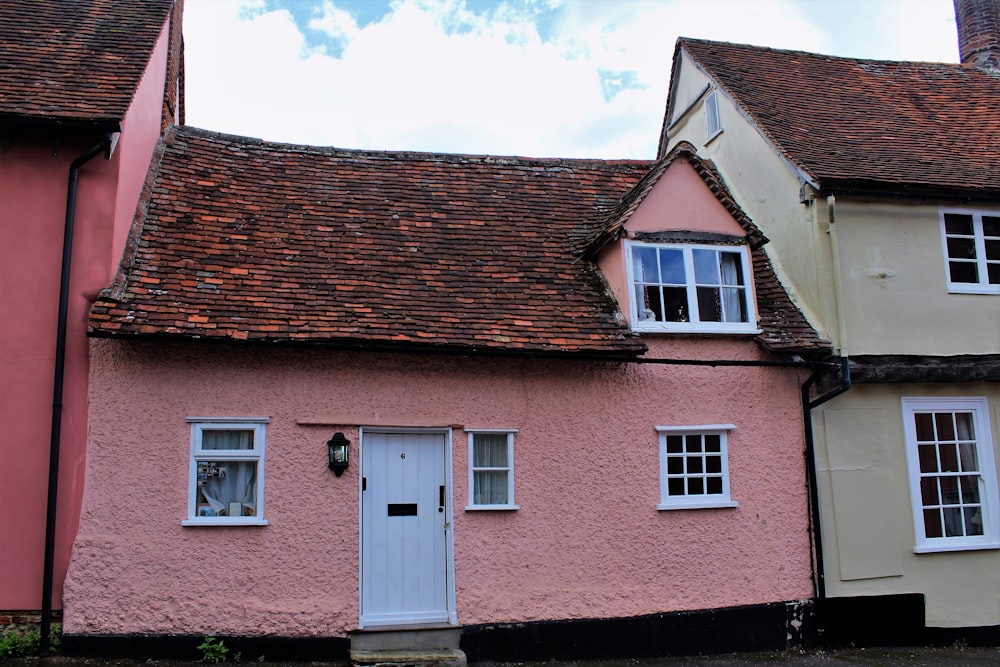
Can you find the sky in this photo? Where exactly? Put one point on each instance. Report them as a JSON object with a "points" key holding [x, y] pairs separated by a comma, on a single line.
{"points": [[539, 78]]}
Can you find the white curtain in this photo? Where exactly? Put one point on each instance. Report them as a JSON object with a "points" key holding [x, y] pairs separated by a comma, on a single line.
{"points": [[221, 482], [731, 296]]}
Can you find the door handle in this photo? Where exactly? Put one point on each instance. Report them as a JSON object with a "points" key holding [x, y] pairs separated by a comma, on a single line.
{"points": [[441, 498]]}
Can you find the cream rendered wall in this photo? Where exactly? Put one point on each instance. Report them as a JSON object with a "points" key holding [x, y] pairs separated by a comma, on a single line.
{"points": [[896, 296], [867, 518], [767, 188]]}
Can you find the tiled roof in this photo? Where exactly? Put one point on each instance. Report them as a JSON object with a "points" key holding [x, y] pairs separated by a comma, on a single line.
{"points": [[242, 239], [75, 60], [852, 124], [783, 326]]}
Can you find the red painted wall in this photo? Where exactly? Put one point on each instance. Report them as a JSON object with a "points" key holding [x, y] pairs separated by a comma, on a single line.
{"points": [[33, 187]]}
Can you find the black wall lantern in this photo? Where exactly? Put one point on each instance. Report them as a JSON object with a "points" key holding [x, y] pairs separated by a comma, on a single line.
{"points": [[339, 447]]}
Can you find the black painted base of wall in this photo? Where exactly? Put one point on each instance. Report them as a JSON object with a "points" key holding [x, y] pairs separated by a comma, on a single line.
{"points": [[185, 647], [754, 628], [889, 620]]}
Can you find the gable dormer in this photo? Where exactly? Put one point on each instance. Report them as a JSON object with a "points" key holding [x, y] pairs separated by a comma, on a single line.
{"points": [[677, 252]]}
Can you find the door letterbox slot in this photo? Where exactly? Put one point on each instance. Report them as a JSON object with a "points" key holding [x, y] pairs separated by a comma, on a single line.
{"points": [[402, 509]]}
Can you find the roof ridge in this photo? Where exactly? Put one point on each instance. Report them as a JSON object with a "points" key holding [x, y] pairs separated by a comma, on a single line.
{"points": [[335, 151]]}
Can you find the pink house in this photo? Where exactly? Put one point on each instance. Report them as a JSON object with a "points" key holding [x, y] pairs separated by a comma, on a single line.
{"points": [[85, 88], [366, 403]]}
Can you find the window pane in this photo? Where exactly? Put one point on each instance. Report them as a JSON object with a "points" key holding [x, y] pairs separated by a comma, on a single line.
{"points": [[489, 487], [713, 464], [223, 439], [714, 485], [961, 248], [734, 304], [644, 264], [672, 267], [675, 444], [693, 443], [991, 225], [924, 422], [929, 492], [958, 223], [732, 269], [993, 270], [928, 458], [945, 426], [489, 450], [695, 465], [932, 523], [696, 486], [968, 458], [949, 458], [713, 442], [709, 304], [973, 520], [963, 272], [675, 465], [675, 304], [993, 250], [954, 525], [227, 488], [652, 304], [706, 267], [675, 486], [949, 490], [969, 486]]}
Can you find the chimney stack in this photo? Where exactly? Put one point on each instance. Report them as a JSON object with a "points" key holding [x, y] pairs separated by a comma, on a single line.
{"points": [[979, 32]]}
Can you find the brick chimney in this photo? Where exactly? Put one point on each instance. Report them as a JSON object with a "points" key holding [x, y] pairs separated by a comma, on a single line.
{"points": [[979, 32]]}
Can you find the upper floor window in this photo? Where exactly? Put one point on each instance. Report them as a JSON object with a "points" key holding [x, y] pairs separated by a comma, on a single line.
{"points": [[972, 251], [226, 482], [712, 123], [698, 288], [953, 484]]}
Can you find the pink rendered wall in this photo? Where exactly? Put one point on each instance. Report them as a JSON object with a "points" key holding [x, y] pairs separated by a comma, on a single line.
{"points": [[33, 185], [680, 200], [586, 542]]}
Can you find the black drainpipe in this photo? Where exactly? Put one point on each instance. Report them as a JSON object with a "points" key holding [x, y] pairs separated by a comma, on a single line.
{"points": [[819, 574], [57, 391]]}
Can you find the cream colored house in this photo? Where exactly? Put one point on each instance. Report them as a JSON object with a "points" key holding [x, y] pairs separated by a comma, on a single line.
{"points": [[878, 184]]}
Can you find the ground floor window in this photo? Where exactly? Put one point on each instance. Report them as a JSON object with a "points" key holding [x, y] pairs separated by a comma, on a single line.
{"points": [[226, 485], [694, 466], [953, 483], [491, 469]]}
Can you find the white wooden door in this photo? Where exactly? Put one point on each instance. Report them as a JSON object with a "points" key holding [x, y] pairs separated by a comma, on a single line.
{"points": [[404, 524]]}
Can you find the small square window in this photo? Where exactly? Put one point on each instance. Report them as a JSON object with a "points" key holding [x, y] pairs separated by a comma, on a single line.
{"points": [[491, 470], [713, 125], [698, 288], [226, 485], [953, 483], [971, 251], [694, 468]]}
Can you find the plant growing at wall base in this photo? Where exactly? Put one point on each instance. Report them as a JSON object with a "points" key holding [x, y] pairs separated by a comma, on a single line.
{"points": [[213, 650], [14, 643]]}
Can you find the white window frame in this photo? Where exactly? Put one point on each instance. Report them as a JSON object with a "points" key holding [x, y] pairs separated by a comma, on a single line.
{"points": [[713, 122], [701, 501], [695, 325], [988, 492], [256, 455], [979, 239], [509, 468]]}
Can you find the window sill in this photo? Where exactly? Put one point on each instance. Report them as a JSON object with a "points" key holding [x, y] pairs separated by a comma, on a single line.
{"points": [[696, 329], [705, 505], [714, 136], [973, 289], [491, 508], [223, 521], [944, 548]]}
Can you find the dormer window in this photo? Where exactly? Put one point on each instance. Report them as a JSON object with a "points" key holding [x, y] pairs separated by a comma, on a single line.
{"points": [[713, 125], [690, 287]]}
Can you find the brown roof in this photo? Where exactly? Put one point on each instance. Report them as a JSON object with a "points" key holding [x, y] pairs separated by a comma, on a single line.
{"points": [[783, 326], [75, 60], [849, 124], [242, 239]]}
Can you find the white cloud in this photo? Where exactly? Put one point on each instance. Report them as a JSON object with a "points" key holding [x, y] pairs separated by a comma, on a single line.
{"points": [[432, 75]]}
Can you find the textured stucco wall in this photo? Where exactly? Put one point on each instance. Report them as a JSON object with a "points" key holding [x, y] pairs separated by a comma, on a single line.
{"points": [[586, 542], [867, 517]]}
